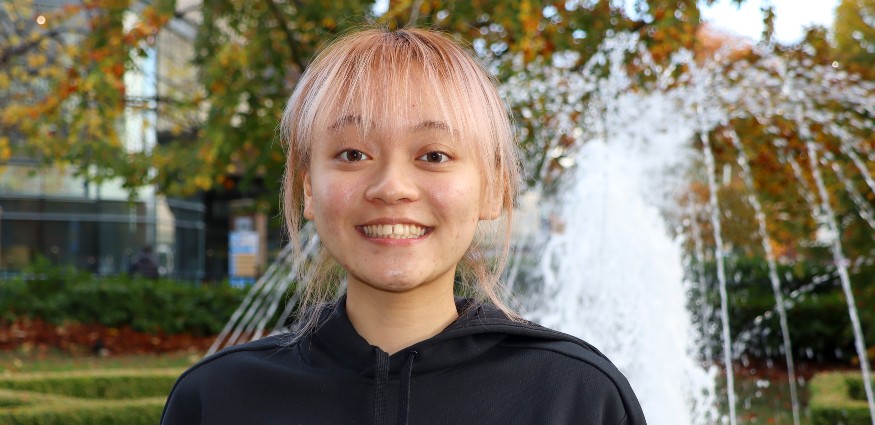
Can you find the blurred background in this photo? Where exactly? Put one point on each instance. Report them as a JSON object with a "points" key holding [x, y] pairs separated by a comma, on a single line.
{"points": [[699, 199]]}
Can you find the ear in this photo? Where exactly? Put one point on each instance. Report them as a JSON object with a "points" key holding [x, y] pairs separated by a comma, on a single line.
{"points": [[490, 206], [308, 196]]}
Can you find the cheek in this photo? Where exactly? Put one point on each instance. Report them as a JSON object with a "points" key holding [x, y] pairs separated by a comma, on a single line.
{"points": [[459, 199], [332, 197]]}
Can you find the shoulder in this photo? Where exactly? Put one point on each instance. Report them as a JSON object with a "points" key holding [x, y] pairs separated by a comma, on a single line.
{"points": [[561, 349], [579, 366], [249, 352], [184, 402]]}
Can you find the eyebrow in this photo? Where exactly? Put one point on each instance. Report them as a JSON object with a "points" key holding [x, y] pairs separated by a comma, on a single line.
{"points": [[345, 121], [432, 125], [422, 126]]}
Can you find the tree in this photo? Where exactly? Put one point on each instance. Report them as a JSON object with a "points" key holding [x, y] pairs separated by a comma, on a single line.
{"points": [[62, 83], [854, 30]]}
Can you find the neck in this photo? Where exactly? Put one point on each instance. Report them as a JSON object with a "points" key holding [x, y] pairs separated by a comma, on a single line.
{"points": [[395, 320]]}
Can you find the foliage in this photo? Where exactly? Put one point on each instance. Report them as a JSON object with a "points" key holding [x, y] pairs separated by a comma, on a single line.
{"points": [[89, 397], [817, 313], [831, 402], [164, 306], [69, 95], [127, 412], [97, 385], [14, 362], [855, 36]]}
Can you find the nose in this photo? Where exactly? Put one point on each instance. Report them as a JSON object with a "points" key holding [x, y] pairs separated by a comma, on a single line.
{"points": [[392, 181]]}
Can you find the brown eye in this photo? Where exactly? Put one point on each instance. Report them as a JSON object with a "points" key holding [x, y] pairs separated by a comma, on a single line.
{"points": [[352, 155], [435, 157]]}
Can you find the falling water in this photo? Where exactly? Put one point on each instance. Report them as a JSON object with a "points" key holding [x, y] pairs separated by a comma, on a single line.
{"points": [[612, 273], [714, 208], [842, 266], [625, 307], [698, 257], [863, 208], [249, 320], [773, 272]]}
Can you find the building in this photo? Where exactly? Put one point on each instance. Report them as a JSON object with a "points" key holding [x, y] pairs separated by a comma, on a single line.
{"points": [[47, 211]]}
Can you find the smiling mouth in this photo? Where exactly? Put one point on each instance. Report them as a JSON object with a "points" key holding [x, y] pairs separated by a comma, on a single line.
{"points": [[394, 231]]}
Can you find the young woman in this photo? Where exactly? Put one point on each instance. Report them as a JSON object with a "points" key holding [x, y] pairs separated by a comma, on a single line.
{"points": [[398, 148]]}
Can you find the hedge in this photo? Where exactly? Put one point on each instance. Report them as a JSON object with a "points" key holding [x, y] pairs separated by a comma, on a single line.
{"points": [[101, 385], [831, 402], [71, 398], [820, 327], [127, 412], [856, 389], [58, 295]]}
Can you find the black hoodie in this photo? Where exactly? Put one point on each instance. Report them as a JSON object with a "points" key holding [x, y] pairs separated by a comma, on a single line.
{"points": [[482, 369]]}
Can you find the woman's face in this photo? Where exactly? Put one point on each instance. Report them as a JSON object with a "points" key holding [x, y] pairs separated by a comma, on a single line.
{"points": [[396, 204]]}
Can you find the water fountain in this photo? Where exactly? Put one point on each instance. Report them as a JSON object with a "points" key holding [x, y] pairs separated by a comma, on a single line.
{"points": [[612, 267]]}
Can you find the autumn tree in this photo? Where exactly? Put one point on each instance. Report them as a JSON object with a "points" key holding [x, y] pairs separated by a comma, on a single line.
{"points": [[62, 83], [854, 30]]}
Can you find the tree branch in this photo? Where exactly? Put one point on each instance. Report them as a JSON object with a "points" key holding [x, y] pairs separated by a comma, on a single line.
{"points": [[7, 54], [290, 38]]}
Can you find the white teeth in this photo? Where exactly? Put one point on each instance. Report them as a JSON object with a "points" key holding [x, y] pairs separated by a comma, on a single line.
{"points": [[396, 231]]}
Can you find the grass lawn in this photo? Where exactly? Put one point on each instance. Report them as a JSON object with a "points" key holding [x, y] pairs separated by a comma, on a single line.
{"points": [[763, 394], [766, 400], [13, 362]]}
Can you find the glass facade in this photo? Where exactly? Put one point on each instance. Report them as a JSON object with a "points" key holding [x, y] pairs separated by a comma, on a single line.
{"points": [[95, 228]]}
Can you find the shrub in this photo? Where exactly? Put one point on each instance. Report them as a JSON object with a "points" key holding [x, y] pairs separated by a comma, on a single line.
{"points": [[57, 295], [106, 385], [856, 390], [130, 397], [831, 402], [820, 327], [127, 412]]}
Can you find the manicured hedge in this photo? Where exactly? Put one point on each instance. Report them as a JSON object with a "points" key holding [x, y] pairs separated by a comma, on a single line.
{"points": [[820, 327], [132, 397], [831, 402], [107, 385], [59, 295], [856, 389], [127, 412]]}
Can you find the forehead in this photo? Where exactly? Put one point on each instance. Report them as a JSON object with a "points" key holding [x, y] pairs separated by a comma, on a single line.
{"points": [[413, 103]]}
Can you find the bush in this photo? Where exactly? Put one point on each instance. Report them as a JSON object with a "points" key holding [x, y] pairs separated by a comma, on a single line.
{"points": [[831, 402], [127, 412], [108, 385], [58, 295], [131, 397], [856, 390], [820, 327]]}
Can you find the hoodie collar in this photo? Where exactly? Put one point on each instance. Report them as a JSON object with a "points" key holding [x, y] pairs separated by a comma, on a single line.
{"points": [[337, 346]]}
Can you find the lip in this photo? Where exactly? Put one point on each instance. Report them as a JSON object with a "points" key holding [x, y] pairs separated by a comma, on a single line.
{"points": [[392, 220]]}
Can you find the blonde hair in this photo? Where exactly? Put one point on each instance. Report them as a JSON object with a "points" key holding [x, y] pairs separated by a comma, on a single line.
{"points": [[372, 74]]}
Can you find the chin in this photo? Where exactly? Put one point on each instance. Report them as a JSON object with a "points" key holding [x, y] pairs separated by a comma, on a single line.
{"points": [[397, 281]]}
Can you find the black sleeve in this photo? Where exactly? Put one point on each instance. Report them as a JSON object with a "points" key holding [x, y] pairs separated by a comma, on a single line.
{"points": [[619, 399], [184, 403]]}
